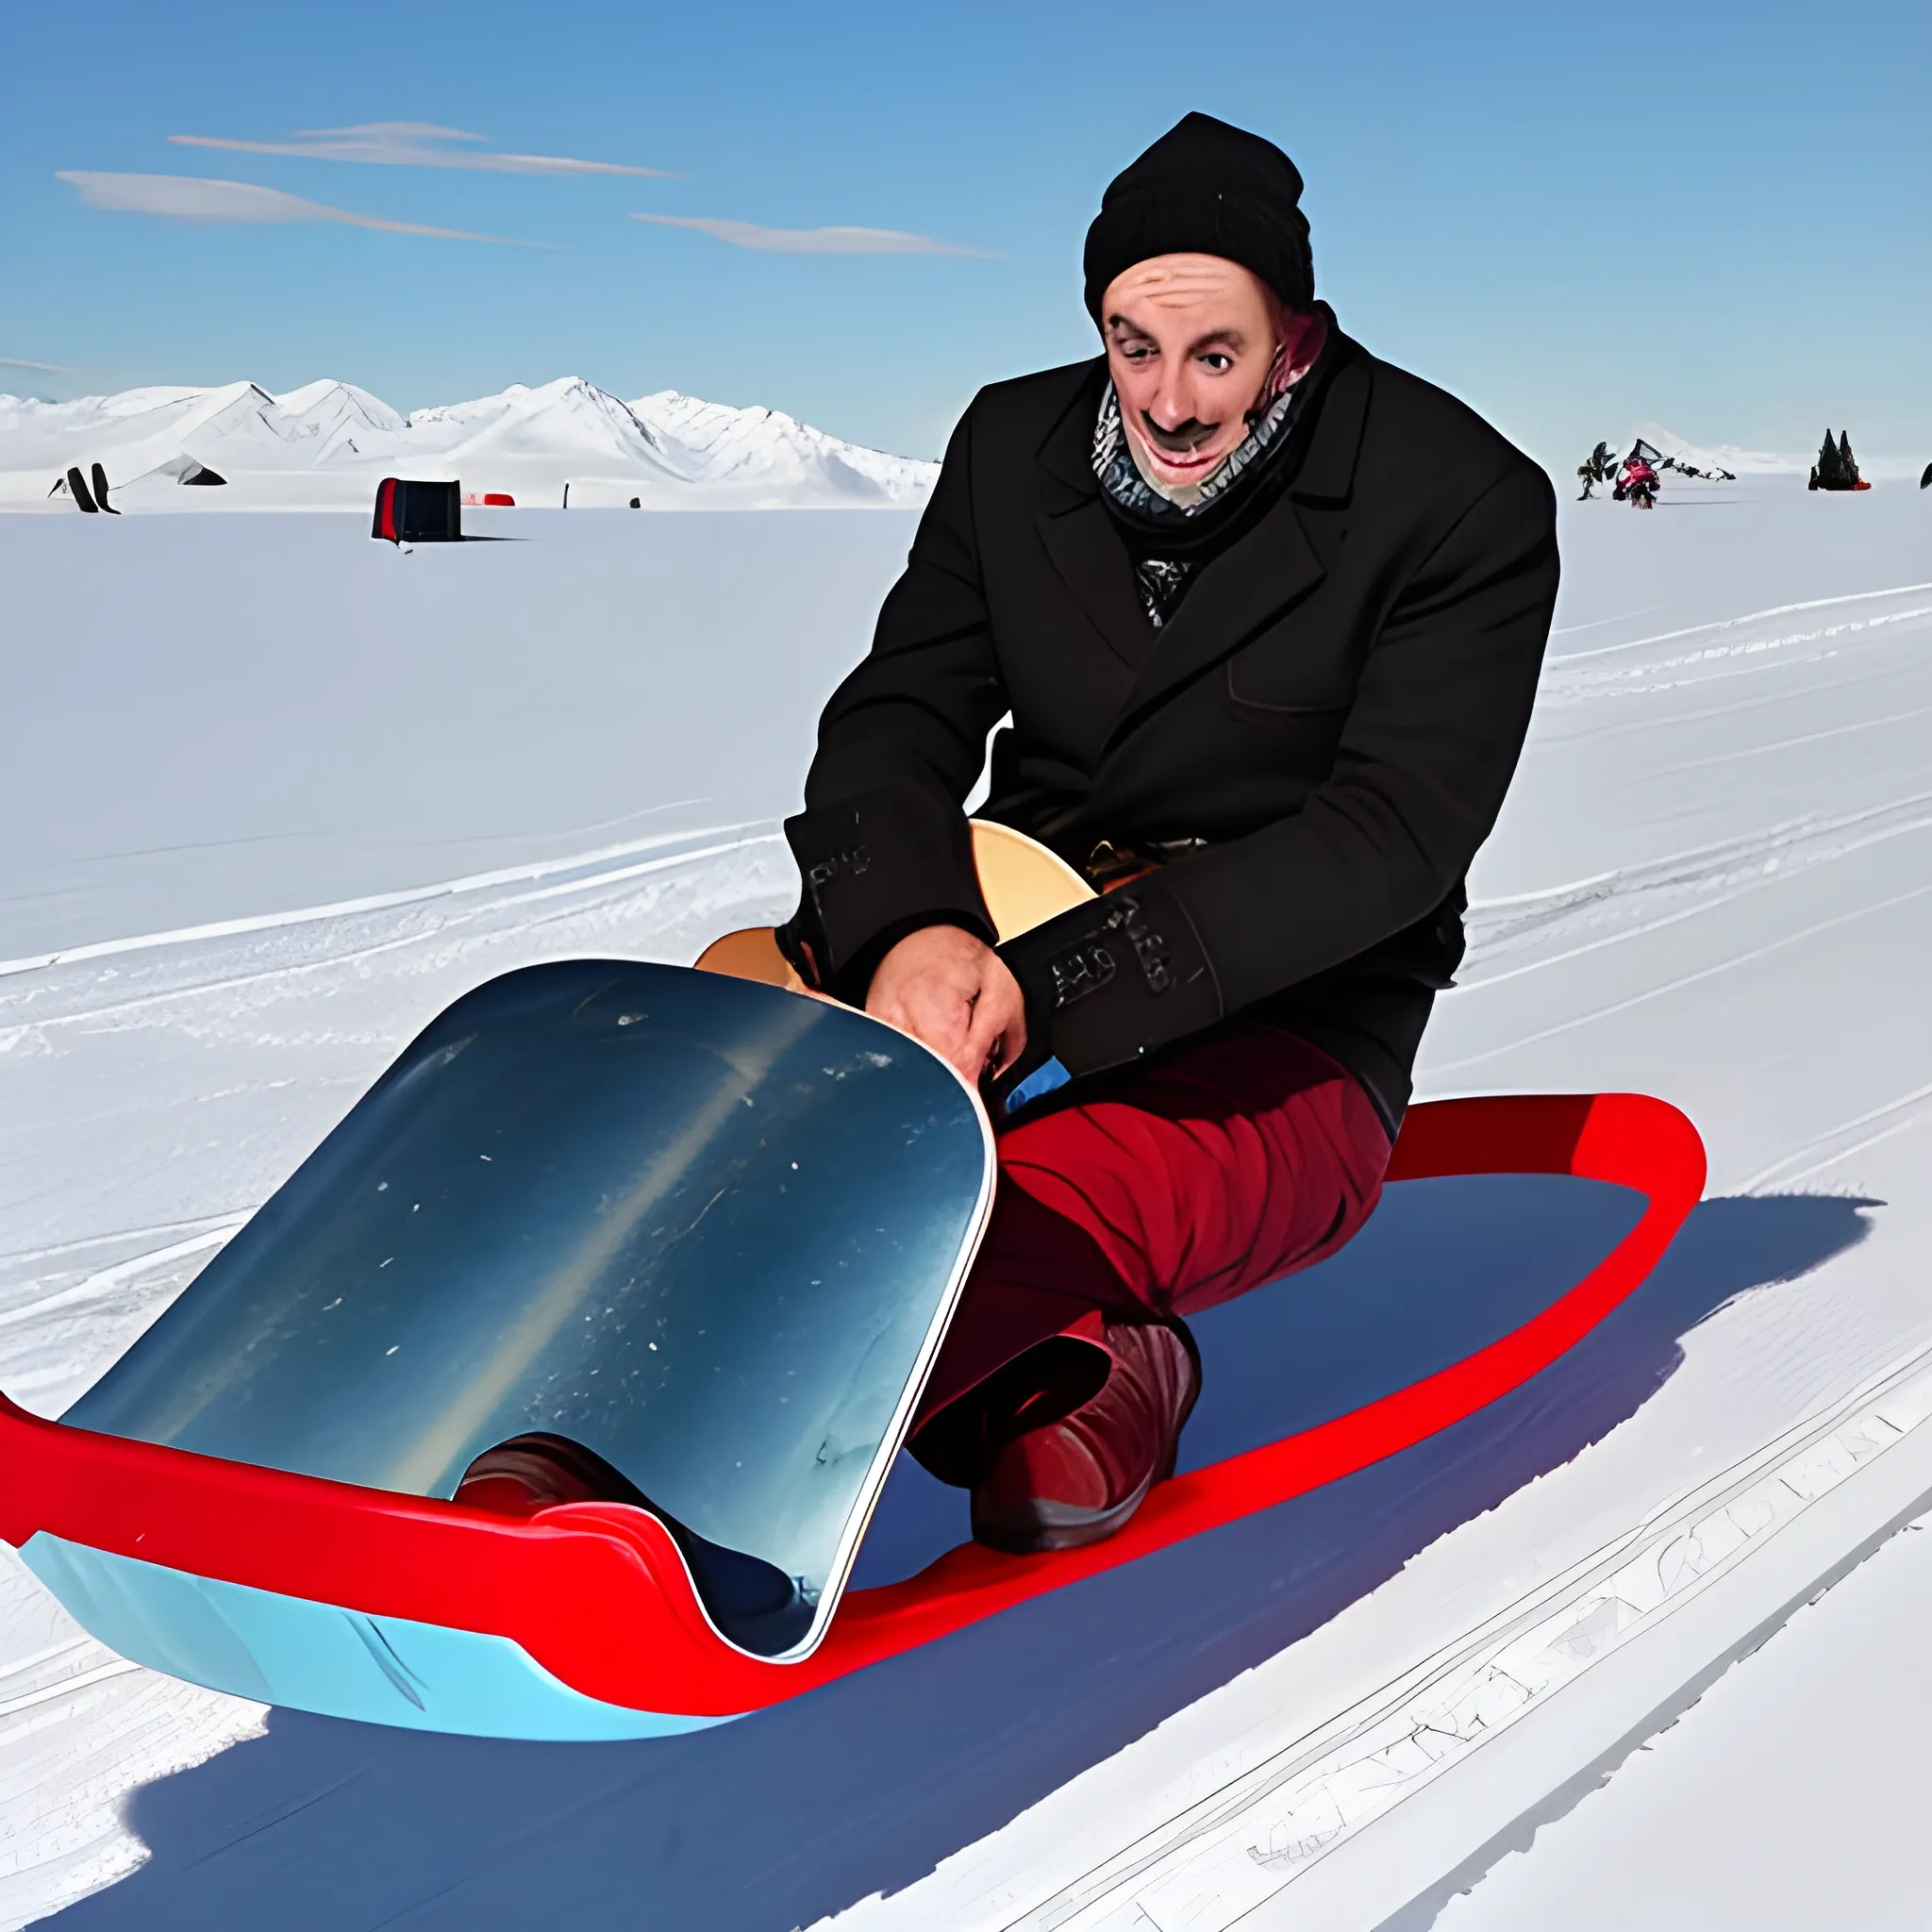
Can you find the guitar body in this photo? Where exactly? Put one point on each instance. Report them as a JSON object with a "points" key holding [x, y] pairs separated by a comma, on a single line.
{"points": [[1024, 885]]}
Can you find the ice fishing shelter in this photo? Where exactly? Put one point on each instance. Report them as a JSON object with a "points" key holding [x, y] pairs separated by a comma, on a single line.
{"points": [[413, 512]]}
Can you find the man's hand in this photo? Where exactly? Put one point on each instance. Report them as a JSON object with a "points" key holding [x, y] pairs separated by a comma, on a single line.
{"points": [[955, 994]]}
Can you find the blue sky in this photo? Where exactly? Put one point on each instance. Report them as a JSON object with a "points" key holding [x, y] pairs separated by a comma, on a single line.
{"points": [[1716, 216]]}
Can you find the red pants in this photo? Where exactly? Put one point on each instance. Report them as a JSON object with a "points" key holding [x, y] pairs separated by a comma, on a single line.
{"points": [[1164, 1191]]}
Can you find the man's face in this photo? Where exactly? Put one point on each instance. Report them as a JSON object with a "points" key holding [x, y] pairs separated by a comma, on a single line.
{"points": [[1191, 340]]}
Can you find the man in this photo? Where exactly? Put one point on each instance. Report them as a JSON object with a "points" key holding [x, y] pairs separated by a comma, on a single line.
{"points": [[1267, 614]]}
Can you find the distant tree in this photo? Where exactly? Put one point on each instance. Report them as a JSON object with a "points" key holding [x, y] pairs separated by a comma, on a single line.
{"points": [[1824, 471], [1836, 467]]}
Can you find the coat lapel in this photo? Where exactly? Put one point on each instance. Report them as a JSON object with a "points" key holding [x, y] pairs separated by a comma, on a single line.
{"points": [[1273, 566], [1080, 535]]}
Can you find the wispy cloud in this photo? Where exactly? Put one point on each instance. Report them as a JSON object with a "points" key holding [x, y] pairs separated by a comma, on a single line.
{"points": [[409, 144], [194, 198], [45, 368], [815, 241]]}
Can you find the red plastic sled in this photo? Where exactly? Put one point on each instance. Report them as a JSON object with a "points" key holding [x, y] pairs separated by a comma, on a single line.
{"points": [[598, 1595]]}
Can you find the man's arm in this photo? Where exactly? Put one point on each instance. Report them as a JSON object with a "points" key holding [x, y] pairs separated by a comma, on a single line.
{"points": [[883, 845], [1431, 742]]}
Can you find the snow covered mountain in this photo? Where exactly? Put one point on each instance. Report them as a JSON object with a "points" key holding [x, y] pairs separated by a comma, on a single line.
{"points": [[325, 444], [1724, 456], [766, 449]]}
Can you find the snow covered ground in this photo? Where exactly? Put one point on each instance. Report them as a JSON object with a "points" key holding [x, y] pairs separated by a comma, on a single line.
{"points": [[325, 446], [233, 714], [1712, 883], [1791, 1796]]}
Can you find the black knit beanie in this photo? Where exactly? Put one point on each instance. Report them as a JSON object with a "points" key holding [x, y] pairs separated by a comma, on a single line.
{"points": [[1205, 187]]}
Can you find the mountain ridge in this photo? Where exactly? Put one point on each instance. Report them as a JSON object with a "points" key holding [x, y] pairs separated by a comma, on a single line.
{"points": [[326, 443]]}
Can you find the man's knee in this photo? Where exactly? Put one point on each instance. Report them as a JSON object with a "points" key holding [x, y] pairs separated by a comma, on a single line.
{"points": [[1211, 1172]]}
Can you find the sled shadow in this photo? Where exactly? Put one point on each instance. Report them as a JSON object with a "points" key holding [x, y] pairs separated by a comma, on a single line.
{"points": [[773, 1820]]}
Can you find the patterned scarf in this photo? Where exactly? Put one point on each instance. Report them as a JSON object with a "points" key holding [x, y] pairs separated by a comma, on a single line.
{"points": [[1121, 477]]}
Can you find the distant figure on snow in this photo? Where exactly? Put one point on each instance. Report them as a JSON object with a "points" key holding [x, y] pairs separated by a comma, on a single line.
{"points": [[1596, 468], [1637, 481]]}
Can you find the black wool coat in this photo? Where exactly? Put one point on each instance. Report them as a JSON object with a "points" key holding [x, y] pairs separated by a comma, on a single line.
{"points": [[1335, 708]]}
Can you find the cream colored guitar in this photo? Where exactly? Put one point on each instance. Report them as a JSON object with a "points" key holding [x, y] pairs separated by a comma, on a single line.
{"points": [[1024, 885]]}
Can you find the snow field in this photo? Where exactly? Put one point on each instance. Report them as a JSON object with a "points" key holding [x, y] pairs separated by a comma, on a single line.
{"points": [[227, 715], [1712, 883]]}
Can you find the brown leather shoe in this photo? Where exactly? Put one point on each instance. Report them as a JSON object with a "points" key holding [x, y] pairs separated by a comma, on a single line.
{"points": [[1077, 1480], [532, 1472]]}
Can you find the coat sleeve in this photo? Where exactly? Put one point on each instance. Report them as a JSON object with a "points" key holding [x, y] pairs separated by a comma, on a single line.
{"points": [[1432, 740], [883, 846]]}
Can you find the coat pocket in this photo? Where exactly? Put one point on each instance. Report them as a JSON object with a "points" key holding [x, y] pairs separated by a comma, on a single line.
{"points": [[1268, 677]]}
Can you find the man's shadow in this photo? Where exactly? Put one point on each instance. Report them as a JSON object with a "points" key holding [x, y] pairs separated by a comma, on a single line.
{"points": [[864, 1786]]}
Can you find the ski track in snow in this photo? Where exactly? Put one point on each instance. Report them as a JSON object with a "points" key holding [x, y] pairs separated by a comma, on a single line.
{"points": [[1731, 962], [1563, 659], [1236, 1847], [159, 1088], [1731, 656], [1532, 931]]}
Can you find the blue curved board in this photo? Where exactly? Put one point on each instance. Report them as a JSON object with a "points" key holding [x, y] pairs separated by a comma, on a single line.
{"points": [[319, 1657]]}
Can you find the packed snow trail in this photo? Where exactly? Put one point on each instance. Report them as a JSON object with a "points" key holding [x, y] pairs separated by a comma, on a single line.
{"points": [[1707, 885]]}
